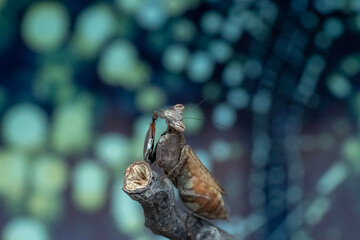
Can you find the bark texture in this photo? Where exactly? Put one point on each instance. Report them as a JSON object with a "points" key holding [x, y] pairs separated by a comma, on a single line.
{"points": [[156, 196]]}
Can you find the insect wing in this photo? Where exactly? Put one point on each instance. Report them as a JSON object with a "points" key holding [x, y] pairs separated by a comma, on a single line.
{"points": [[199, 170]]}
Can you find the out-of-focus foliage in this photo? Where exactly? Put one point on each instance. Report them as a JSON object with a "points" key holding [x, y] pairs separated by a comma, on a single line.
{"points": [[272, 108]]}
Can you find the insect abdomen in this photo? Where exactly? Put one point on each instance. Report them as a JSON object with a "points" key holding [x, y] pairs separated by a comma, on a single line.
{"points": [[204, 194], [213, 208]]}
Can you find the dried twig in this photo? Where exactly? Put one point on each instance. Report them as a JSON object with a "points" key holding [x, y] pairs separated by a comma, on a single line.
{"points": [[156, 196]]}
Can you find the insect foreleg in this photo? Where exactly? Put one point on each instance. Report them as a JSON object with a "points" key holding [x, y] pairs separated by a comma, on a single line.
{"points": [[148, 152]]}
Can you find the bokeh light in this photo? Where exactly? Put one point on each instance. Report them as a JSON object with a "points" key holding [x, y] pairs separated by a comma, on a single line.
{"points": [[183, 30], [13, 181], [175, 58], [193, 119], [220, 50], [49, 174], [339, 85], [119, 66], [151, 14], [94, 26], [211, 91], [211, 22], [238, 98], [253, 68], [233, 74], [351, 65], [220, 150], [333, 27], [20, 228], [309, 19], [351, 152], [45, 26], [127, 213], [25, 126], [113, 149], [150, 98], [200, 67], [129, 6], [54, 82], [90, 183], [72, 125], [224, 116]]}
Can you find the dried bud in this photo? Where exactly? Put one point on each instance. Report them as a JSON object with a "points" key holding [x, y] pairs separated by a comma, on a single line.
{"points": [[137, 176]]}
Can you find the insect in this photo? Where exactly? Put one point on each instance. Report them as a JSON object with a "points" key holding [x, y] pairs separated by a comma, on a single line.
{"points": [[198, 188]]}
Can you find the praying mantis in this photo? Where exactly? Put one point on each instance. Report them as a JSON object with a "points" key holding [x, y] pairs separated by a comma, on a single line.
{"points": [[198, 188]]}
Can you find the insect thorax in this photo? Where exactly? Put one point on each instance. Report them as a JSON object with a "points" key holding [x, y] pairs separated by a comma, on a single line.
{"points": [[168, 150]]}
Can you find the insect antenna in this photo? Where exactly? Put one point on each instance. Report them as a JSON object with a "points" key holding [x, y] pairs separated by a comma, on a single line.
{"points": [[219, 85], [206, 98], [203, 100], [201, 119]]}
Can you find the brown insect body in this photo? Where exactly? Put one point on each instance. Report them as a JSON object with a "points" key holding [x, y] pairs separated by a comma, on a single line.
{"points": [[194, 182], [198, 189]]}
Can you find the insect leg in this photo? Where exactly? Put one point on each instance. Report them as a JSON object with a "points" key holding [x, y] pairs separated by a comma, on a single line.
{"points": [[148, 152], [183, 158], [189, 193]]}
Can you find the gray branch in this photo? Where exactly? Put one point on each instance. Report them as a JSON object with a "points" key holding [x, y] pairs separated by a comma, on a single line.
{"points": [[156, 196]]}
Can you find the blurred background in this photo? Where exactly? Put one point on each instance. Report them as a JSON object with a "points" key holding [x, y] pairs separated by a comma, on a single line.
{"points": [[272, 96]]}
